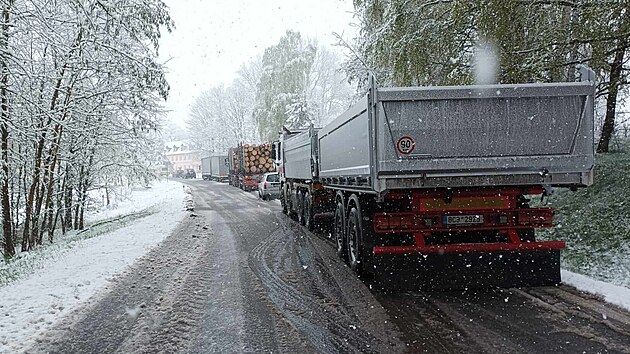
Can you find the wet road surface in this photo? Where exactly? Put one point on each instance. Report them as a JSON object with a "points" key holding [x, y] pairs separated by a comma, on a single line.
{"points": [[239, 276]]}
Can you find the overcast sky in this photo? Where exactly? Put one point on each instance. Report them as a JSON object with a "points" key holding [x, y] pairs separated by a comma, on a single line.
{"points": [[214, 37]]}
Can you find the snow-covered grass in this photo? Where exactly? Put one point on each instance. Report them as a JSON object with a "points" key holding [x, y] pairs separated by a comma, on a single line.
{"points": [[26, 263], [61, 278], [595, 222], [126, 205]]}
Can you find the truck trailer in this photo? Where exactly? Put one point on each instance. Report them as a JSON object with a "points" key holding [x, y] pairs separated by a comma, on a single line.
{"points": [[206, 168], [215, 167], [219, 167], [247, 164], [437, 182]]}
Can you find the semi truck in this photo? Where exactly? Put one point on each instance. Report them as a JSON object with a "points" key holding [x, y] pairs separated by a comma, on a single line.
{"points": [[219, 167], [215, 167], [206, 168], [247, 164], [438, 182]]}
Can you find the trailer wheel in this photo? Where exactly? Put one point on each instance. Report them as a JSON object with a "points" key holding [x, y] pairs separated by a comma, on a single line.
{"points": [[355, 241], [300, 207], [339, 232], [308, 211], [283, 200], [291, 207]]}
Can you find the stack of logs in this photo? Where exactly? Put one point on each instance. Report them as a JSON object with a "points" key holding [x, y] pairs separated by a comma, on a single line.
{"points": [[257, 158]]}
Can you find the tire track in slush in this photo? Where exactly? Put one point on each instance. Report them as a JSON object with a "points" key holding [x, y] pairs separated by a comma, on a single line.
{"points": [[147, 308], [522, 326], [546, 319], [589, 316], [181, 317], [245, 220], [326, 326]]}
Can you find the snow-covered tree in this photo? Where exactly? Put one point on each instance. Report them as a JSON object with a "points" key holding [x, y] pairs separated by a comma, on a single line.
{"points": [[423, 42], [221, 117], [280, 95], [327, 93], [80, 88]]}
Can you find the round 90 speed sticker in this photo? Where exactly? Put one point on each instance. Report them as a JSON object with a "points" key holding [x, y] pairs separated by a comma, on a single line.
{"points": [[405, 145]]}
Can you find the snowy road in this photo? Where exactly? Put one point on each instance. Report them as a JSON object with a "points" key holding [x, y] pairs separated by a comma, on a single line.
{"points": [[239, 276]]}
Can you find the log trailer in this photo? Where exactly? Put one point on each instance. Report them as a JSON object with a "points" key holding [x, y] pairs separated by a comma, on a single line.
{"points": [[247, 164], [438, 180]]}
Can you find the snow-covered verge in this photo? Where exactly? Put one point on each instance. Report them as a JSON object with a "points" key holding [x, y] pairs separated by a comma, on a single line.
{"points": [[67, 277], [594, 222], [614, 294], [127, 200], [126, 205]]}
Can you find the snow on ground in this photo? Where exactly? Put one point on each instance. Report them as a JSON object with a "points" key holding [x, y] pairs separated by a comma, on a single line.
{"points": [[127, 200], [614, 294], [37, 302]]}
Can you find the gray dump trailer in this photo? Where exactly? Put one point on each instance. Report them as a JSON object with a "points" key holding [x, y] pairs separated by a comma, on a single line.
{"points": [[303, 194], [439, 178]]}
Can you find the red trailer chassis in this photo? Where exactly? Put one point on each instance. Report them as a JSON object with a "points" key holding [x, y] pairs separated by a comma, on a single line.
{"points": [[453, 211]]}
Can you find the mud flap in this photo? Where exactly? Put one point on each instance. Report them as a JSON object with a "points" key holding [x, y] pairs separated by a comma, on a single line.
{"points": [[466, 271]]}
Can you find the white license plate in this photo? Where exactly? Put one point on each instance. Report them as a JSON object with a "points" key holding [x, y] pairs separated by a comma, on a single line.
{"points": [[463, 219]]}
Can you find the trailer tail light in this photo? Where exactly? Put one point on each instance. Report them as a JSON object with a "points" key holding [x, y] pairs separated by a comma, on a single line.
{"points": [[394, 222], [535, 217], [381, 222]]}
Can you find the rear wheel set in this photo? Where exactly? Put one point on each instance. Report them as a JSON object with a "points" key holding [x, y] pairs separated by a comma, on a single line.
{"points": [[307, 211], [355, 241], [352, 235], [283, 200], [339, 232]]}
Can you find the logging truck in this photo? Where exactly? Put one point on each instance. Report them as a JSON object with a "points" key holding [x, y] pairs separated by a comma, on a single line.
{"points": [[437, 182], [247, 163]]}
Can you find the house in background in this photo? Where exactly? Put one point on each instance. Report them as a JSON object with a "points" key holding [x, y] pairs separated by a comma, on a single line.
{"points": [[182, 156]]}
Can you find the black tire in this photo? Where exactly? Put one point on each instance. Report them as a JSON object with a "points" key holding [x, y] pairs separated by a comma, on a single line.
{"points": [[355, 241], [339, 232], [300, 207], [308, 211], [283, 201], [290, 206]]}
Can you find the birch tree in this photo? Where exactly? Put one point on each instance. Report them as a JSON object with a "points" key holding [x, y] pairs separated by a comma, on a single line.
{"points": [[280, 95], [328, 94]]}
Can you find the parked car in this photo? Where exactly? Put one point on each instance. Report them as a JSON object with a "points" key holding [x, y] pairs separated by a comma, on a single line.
{"points": [[269, 186]]}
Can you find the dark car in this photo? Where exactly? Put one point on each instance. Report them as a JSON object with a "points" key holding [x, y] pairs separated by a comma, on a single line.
{"points": [[190, 173]]}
